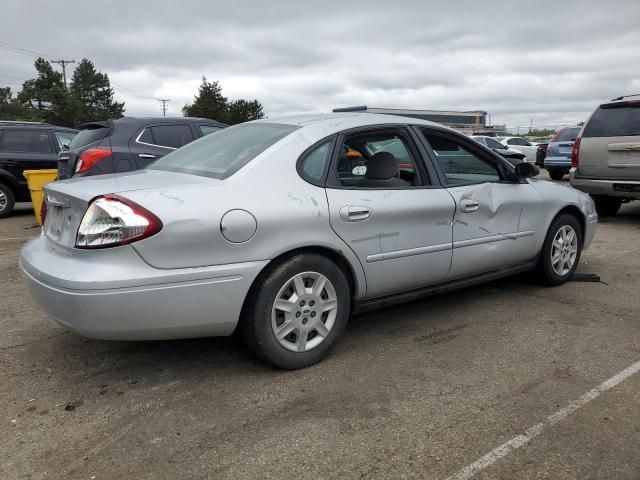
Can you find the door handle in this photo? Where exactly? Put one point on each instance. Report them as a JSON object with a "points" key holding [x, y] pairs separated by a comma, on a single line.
{"points": [[468, 205], [146, 155], [354, 214]]}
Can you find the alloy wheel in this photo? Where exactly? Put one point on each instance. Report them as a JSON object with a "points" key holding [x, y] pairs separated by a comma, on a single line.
{"points": [[4, 201], [304, 311], [564, 250]]}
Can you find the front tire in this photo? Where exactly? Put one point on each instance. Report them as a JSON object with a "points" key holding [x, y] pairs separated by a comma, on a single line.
{"points": [[606, 206], [561, 250], [7, 201], [296, 311]]}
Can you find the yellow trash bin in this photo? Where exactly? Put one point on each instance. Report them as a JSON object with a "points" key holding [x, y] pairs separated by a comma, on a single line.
{"points": [[36, 179]]}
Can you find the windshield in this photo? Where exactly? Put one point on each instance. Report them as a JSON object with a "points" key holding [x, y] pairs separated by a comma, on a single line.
{"points": [[223, 154]]}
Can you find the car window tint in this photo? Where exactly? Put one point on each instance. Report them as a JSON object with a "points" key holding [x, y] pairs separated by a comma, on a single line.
{"points": [[29, 141], [173, 136], [64, 138], [377, 160], [88, 135], [567, 135], [480, 140], [207, 129], [146, 137], [460, 165], [622, 121], [316, 161], [222, 154], [517, 141]]}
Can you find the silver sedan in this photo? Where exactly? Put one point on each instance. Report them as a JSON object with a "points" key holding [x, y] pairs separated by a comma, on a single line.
{"points": [[283, 227]]}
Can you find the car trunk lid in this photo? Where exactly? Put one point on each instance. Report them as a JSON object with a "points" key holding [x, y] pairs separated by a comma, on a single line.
{"points": [[67, 201], [90, 135]]}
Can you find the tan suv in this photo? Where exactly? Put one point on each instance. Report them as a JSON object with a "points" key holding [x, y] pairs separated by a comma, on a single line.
{"points": [[606, 155]]}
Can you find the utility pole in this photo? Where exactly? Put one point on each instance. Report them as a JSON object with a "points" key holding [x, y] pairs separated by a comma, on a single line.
{"points": [[164, 105], [64, 64]]}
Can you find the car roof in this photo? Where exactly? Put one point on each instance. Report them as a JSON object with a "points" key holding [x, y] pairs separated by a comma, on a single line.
{"points": [[135, 121], [346, 120], [35, 125]]}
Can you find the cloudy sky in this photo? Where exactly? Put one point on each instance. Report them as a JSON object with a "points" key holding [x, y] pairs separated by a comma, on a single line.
{"points": [[546, 62]]}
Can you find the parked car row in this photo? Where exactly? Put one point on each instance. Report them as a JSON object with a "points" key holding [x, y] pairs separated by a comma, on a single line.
{"points": [[109, 146]]}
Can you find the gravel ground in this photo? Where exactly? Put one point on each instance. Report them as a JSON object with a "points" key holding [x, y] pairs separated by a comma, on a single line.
{"points": [[419, 390]]}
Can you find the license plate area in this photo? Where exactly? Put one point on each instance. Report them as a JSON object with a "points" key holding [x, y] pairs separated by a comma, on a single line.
{"points": [[55, 217], [625, 159]]}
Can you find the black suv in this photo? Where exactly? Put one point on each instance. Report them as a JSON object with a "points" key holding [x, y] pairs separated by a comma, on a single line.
{"points": [[26, 146], [128, 143]]}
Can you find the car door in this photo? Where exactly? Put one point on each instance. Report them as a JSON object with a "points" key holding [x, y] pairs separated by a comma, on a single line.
{"points": [[155, 141], [497, 219], [522, 145], [26, 149], [390, 210]]}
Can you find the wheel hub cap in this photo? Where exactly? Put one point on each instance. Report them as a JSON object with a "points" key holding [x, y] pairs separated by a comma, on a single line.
{"points": [[304, 312], [564, 250], [3, 201]]}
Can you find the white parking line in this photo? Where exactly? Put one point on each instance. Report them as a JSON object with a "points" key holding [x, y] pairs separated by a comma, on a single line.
{"points": [[532, 432]]}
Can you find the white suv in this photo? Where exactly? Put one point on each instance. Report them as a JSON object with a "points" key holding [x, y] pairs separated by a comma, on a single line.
{"points": [[606, 155]]}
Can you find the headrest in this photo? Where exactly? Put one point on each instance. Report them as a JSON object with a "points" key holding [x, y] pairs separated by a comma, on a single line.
{"points": [[382, 166]]}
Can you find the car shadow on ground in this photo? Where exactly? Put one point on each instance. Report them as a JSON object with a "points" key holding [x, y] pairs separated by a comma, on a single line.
{"points": [[159, 361]]}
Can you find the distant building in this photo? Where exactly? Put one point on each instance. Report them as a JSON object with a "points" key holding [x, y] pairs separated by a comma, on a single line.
{"points": [[467, 122]]}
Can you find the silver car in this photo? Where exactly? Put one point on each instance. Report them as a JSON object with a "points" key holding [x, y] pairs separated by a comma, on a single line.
{"points": [[283, 227]]}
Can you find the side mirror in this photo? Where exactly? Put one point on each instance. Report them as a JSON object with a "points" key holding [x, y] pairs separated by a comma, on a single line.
{"points": [[526, 170]]}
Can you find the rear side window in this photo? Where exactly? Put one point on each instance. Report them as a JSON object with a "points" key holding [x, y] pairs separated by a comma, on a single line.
{"points": [[315, 163], [567, 135], [28, 141], [223, 154], [614, 121], [521, 142], [172, 136], [88, 135]]}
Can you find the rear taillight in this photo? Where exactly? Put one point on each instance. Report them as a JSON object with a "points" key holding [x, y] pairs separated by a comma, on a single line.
{"points": [[89, 158], [575, 153], [113, 220], [43, 210]]}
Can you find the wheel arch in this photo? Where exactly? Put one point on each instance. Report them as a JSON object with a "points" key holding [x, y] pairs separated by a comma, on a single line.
{"points": [[573, 211]]}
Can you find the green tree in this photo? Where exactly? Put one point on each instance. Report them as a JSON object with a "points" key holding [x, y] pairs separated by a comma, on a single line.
{"points": [[91, 95], [243, 111], [208, 103], [12, 109]]}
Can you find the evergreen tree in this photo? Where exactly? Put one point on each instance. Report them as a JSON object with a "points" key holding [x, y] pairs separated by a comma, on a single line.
{"points": [[91, 95], [208, 103], [243, 111], [12, 109]]}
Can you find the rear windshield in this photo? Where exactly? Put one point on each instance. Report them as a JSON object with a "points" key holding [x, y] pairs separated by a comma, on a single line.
{"points": [[623, 121], [567, 135], [90, 135], [223, 154]]}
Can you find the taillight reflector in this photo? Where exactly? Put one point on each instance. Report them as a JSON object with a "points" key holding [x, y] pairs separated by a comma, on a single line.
{"points": [[575, 153]]}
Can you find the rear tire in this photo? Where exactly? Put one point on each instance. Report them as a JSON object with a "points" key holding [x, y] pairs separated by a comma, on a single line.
{"points": [[606, 206], [296, 311], [7, 201], [556, 174], [561, 250]]}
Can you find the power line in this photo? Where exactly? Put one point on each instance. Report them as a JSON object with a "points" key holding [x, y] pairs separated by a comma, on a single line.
{"points": [[164, 105], [23, 51]]}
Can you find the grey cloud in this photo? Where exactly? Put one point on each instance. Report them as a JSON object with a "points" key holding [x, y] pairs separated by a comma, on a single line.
{"points": [[550, 61]]}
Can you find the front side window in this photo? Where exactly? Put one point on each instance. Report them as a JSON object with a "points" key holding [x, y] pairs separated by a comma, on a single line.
{"points": [[223, 154], [28, 141], [459, 164], [521, 142], [64, 139], [377, 160], [207, 129], [491, 143]]}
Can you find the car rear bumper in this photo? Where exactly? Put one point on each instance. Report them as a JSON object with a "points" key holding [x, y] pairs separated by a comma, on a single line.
{"points": [[114, 295], [557, 162], [610, 187]]}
